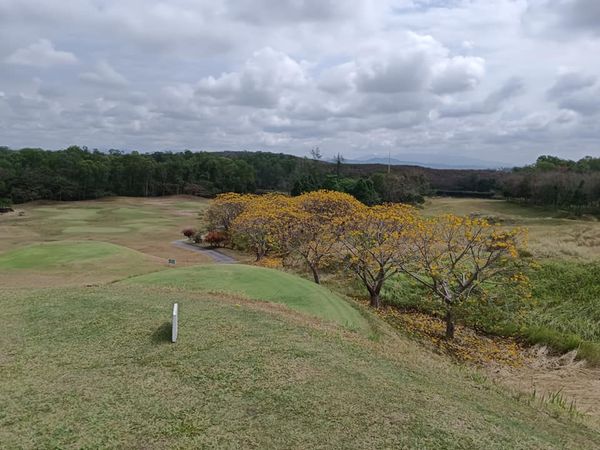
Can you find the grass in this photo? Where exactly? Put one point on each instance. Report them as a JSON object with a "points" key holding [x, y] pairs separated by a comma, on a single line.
{"points": [[147, 225], [262, 284], [93, 368], [51, 255], [550, 235], [71, 263], [88, 364], [564, 313]]}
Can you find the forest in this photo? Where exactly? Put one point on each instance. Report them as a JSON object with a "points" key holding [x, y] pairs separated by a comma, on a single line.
{"points": [[77, 173]]}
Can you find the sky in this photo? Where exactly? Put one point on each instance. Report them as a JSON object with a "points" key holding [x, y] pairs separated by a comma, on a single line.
{"points": [[501, 80]]}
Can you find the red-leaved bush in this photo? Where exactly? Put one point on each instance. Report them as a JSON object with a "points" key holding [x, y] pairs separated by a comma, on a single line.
{"points": [[189, 232], [215, 238]]}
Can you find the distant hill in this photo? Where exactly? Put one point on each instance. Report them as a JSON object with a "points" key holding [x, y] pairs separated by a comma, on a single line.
{"points": [[430, 160]]}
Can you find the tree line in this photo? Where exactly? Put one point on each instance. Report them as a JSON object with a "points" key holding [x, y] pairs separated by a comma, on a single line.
{"points": [[557, 183], [78, 173], [454, 258]]}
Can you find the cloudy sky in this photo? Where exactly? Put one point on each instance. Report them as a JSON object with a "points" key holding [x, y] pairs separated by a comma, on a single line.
{"points": [[501, 80]]}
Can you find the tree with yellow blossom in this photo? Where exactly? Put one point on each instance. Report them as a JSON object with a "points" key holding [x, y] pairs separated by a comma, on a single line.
{"points": [[310, 228], [260, 225], [225, 208], [376, 241], [458, 256]]}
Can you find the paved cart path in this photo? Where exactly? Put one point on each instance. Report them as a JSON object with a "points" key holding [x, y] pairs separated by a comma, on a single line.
{"points": [[217, 256]]}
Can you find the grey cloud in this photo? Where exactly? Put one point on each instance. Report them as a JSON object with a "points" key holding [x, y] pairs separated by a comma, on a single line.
{"points": [[350, 76], [580, 14], [583, 103], [577, 92], [400, 73], [104, 74], [291, 11], [569, 16], [489, 105], [40, 54], [569, 82]]}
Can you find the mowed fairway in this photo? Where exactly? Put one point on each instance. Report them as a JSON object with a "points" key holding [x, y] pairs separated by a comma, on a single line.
{"points": [[261, 284], [550, 235], [55, 244], [144, 224]]}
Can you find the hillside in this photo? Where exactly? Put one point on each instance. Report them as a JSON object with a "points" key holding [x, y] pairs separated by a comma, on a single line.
{"points": [[92, 367], [264, 359]]}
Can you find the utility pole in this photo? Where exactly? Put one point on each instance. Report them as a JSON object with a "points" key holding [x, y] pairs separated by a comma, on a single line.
{"points": [[389, 161]]}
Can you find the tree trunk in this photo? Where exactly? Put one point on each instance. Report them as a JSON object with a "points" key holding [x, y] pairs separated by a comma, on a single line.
{"points": [[449, 324], [315, 273], [375, 301]]}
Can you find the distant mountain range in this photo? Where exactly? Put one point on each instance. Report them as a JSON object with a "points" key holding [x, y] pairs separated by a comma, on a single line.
{"points": [[430, 160]]}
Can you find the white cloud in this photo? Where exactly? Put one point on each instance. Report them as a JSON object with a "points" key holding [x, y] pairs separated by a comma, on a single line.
{"points": [[104, 74], [261, 82], [41, 54], [353, 76], [456, 74]]}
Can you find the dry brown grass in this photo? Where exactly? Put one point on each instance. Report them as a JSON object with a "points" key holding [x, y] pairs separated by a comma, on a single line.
{"points": [[549, 236]]}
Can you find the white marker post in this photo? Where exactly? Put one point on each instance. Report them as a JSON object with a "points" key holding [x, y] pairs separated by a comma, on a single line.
{"points": [[175, 317]]}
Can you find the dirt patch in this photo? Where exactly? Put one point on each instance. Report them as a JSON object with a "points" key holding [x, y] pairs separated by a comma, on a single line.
{"points": [[531, 371], [543, 375]]}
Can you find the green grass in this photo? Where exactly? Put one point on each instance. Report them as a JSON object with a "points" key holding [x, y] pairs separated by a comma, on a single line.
{"points": [[93, 368], [71, 263], [52, 255], [564, 312], [87, 229], [262, 284], [118, 219]]}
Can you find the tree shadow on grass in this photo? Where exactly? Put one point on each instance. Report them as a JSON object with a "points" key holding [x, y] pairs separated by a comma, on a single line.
{"points": [[162, 335]]}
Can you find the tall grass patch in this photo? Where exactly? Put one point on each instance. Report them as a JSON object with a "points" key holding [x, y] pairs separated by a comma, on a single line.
{"points": [[563, 313]]}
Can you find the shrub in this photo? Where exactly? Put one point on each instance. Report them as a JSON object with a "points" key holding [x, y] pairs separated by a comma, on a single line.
{"points": [[215, 238], [189, 232]]}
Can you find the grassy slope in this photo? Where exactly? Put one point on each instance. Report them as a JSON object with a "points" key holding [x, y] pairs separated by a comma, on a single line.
{"points": [[262, 284], [565, 312], [549, 235], [93, 368]]}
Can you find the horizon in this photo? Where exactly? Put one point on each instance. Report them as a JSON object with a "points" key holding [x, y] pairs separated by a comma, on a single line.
{"points": [[502, 82], [398, 159]]}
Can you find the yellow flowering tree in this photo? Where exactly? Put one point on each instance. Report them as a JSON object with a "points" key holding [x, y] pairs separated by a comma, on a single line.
{"points": [[259, 226], [457, 256], [377, 240], [224, 209], [310, 227]]}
